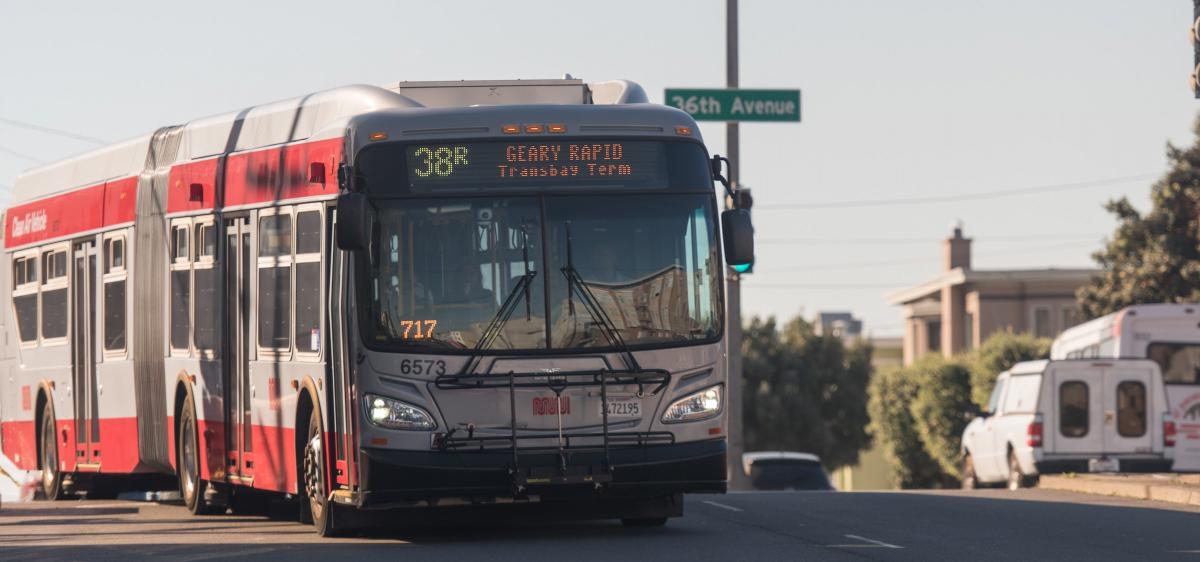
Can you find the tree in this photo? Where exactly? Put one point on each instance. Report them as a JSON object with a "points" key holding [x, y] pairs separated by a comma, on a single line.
{"points": [[804, 392], [997, 354], [1156, 257]]}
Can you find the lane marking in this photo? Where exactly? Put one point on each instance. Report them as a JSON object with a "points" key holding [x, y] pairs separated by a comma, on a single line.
{"points": [[723, 506], [873, 542]]}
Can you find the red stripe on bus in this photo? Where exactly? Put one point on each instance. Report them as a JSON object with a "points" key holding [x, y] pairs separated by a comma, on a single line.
{"points": [[282, 173], [81, 210], [192, 186]]}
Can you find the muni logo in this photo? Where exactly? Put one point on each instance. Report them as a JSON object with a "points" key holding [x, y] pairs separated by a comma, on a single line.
{"points": [[33, 221]]}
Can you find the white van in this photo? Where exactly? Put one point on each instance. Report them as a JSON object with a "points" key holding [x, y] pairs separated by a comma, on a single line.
{"points": [[1167, 333], [1070, 416]]}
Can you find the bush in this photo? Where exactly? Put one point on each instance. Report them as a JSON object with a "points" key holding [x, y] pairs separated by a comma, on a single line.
{"points": [[941, 408], [997, 354], [895, 431]]}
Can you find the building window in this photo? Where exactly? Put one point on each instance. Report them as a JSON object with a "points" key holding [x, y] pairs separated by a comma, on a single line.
{"points": [[114, 294], [968, 330], [1041, 322], [1073, 406], [934, 335]]}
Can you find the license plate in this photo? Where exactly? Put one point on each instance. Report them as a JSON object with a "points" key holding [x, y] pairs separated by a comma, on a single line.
{"points": [[624, 407], [1104, 465]]}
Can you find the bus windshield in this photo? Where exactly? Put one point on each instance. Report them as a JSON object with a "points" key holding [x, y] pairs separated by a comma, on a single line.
{"points": [[443, 269]]}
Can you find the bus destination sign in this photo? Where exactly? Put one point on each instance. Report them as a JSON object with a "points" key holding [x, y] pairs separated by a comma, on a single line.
{"points": [[533, 163]]}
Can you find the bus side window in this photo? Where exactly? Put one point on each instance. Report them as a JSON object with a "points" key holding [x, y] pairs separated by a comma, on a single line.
{"points": [[181, 286], [114, 294], [308, 282], [54, 294], [275, 280], [25, 297], [206, 277]]}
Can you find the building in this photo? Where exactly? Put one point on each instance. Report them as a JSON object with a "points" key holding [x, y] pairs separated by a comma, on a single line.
{"points": [[960, 308], [838, 324]]}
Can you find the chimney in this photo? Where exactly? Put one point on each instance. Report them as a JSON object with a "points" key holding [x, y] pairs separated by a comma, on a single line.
{"points": [[957, 250]]}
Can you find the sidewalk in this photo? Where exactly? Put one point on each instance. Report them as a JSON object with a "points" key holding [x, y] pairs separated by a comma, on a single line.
{"points": [[1171, 488]]}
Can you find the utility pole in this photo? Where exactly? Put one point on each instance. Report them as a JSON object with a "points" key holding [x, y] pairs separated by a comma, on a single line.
{"points": [[733, 296]]}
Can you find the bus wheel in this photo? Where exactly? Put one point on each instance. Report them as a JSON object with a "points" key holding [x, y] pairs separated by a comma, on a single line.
{"points": [[191, 486], [644, 521], [52, 484], [319, 507]]}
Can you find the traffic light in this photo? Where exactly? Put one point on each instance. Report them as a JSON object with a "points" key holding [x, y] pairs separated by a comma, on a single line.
{"points": [[1194, 35], [743, 200]]}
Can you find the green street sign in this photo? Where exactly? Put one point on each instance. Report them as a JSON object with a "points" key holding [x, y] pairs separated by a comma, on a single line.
{"points": [[736, 105]]}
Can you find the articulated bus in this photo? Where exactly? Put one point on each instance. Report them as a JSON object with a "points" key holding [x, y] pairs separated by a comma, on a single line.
{"points": [[1168, 334], [423, 295]]}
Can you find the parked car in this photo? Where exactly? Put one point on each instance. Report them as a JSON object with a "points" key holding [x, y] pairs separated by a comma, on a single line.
{"points": [[785, 470], [1070, 416]]}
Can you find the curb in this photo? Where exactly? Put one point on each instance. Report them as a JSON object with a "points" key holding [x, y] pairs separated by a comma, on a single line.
{"points": [[1182, 494]]}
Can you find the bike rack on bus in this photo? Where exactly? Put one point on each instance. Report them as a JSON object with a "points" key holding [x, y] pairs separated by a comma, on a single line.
{"points": [[559, 381]]}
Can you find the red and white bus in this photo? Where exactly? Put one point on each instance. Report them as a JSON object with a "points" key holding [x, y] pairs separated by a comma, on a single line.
{"points": [[426, 294]]}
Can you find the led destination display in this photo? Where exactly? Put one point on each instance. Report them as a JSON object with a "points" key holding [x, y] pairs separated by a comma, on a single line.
{"points": [[533, 163]]}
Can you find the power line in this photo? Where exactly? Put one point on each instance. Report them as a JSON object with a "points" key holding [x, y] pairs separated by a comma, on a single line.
{"points": [[818, 286], [918, 260], [1052, 188], [893, 240], [52, 131], [21, 155]]}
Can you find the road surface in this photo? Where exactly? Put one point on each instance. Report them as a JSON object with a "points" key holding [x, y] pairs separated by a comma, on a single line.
{"points": [[979, 525]]}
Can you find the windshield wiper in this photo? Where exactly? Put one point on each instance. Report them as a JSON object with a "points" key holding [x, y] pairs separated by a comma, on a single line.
{"points": [[496, 326], [576, 283]]}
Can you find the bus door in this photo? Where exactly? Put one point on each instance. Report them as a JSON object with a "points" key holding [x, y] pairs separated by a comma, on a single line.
{"points": [[83, 354], [240, 461], [342, 386]]}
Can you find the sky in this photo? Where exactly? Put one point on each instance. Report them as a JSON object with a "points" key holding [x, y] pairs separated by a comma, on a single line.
{"points": [[901, 100]]}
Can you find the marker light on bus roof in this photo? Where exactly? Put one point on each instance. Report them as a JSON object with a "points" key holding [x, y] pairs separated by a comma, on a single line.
{"points": [[535, 128], [556, 128], [510, 129], [378, 136], [684, 131]]}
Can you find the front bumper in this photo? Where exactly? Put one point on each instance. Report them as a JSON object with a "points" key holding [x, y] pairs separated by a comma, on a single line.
{"points": [[393, 478]]}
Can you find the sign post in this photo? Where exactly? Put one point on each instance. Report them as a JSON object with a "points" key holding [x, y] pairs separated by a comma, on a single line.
{"points": [[733, 105]]}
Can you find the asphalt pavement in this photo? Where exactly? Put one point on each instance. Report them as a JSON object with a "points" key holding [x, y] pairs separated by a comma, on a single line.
{"points": [[952, 525]]}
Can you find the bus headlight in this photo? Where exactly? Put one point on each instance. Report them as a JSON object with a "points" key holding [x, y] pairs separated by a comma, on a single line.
{"points": [[696, 406], [394, 414]]}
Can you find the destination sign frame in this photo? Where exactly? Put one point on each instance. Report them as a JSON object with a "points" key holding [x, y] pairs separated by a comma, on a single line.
{"points": [[736, 105]]}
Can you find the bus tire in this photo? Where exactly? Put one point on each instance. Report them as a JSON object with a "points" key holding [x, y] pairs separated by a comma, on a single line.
{"points": [[316, 491], [187, 451], [52, 482], [643, 521]]}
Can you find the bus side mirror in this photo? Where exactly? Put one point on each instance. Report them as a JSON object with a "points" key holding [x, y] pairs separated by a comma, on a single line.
{"points": [[355, 218], [738, 234]]}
